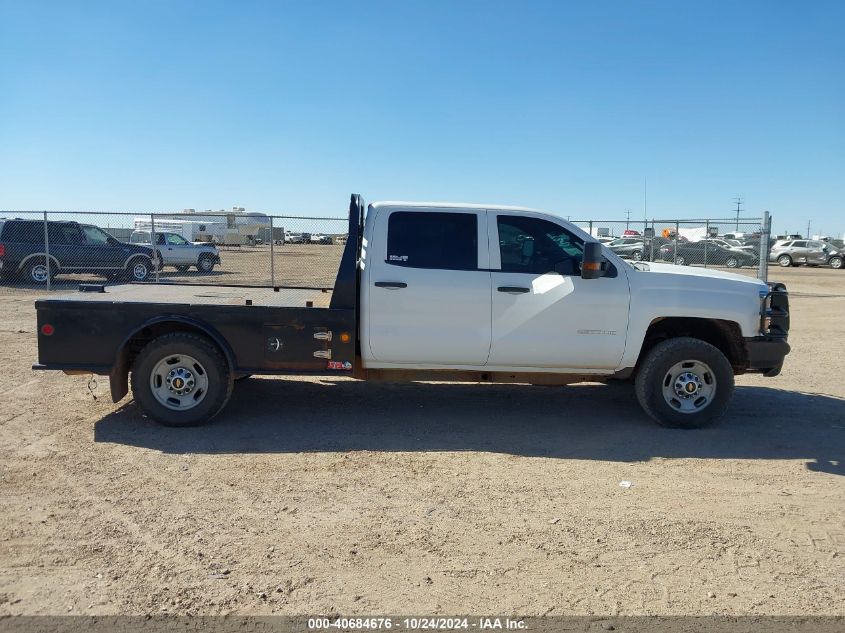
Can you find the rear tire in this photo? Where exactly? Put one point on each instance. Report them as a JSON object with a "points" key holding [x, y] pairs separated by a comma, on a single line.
{"points": [[784, 261], [680, 261], [684, 383], [169, 373], [139, 269], [36, 271]]}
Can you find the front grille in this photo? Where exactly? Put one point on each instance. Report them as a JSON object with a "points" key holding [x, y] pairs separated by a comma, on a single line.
{"points": [[775, 311]]}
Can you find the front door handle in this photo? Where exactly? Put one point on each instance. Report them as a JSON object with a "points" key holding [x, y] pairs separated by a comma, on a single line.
{"points": [[514, 290], [391, 284]]}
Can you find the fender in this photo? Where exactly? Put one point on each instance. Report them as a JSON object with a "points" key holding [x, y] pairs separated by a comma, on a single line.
{"points": [[119, 375], [133, 256], [28, 257]]}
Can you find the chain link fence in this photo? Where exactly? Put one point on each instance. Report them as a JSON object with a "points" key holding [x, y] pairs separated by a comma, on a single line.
{"points": [[735, 243], [60, 249]]}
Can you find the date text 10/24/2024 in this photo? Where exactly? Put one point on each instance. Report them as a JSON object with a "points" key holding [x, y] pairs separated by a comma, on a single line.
{"points": [[417, 624]]}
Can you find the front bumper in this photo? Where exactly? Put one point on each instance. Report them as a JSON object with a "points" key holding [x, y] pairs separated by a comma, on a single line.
{"points": [[765, 354]]}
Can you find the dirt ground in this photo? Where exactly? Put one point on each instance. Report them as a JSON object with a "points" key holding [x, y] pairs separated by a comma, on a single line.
{"points": [[330, 496]]}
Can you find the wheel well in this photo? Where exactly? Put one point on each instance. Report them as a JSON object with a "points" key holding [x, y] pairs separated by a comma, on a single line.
{"points": [[135, 343], [724, 335]]}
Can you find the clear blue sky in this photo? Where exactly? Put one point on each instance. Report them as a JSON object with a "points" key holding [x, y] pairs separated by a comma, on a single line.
{"points": [[290, 106]]}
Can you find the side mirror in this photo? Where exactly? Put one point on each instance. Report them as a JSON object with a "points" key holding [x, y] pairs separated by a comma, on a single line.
{"points": [[591, 266]]}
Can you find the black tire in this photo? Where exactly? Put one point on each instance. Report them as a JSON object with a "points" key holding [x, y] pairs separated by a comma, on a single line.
{"points": [[214, 367], [205, 264], [637, 256], [836, 262], [35, 271], [784, 261], [139, 268], [732, 262], [182, 269], [680, 261], [653, 376]]}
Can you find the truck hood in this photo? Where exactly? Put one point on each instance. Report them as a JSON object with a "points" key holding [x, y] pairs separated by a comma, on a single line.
{"points": [[693, 271]]}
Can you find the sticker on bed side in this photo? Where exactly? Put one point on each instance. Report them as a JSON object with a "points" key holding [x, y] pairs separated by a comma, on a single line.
{"points": [[342, 365]]}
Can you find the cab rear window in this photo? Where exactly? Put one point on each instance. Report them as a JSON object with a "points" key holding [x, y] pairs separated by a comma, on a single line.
{"points": [[447, 241]]}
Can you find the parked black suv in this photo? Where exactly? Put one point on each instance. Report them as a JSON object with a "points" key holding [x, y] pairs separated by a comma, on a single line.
{"points": [[74, 248]]}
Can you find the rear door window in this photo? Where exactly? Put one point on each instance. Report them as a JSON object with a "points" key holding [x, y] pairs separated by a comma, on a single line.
{"points": [[25, 232], [446, 241]]}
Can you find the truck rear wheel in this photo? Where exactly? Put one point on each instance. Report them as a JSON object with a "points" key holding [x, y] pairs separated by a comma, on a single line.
{"points": [[684, 383], [181, 379]]}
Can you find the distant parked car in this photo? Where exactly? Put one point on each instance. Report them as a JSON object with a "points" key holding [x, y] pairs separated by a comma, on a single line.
{"points": [[74, 248], [319, 238], [178, 252], [636, 248], [295, 238], [703, 252], [808, 252]]}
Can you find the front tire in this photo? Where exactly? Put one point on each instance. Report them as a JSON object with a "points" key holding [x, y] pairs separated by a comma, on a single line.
{"points": [[181, 379], [836, 262], [680, 261], [732, 262], [684, 383], [205, 264]]}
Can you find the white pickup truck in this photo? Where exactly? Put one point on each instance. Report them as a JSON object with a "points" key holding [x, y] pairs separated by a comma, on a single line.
{"points": [[450, 292]]}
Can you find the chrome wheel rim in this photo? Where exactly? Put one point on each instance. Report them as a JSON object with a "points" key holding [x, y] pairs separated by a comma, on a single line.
{"points": [[140, 271], [784, 261], [732, 262], [680, 261], [836, 262], [689, 386], [39, 273], [205, 264], [179, 382]]}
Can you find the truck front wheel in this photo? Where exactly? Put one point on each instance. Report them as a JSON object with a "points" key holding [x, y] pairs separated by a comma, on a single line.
{"points": [[181, 379], [684, 383]]}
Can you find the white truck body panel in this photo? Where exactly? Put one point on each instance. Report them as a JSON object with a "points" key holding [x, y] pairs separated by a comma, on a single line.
{"points": [[459, 320]]}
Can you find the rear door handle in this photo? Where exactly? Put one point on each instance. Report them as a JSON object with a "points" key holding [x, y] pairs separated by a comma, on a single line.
{"points": [[391, 284], [514, 290]]}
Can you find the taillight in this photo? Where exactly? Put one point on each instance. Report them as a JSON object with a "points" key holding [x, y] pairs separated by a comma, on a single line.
{"points": [[47, 329], [2, 250]]}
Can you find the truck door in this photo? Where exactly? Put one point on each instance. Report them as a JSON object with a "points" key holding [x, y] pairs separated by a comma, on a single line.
{"points": [[544, 314], [428, 287]]}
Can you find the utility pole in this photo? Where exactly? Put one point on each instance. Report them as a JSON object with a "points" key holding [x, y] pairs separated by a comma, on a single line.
{"points": [[808, 229], [627, 218], [738, 201]]}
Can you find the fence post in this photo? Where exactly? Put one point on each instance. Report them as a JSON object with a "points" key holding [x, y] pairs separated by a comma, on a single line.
{"points": [[675, 253], [706, 240], [591, 229], [763, 266], [272, 258], [653, 236], [47, 250], [154, 244]]}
